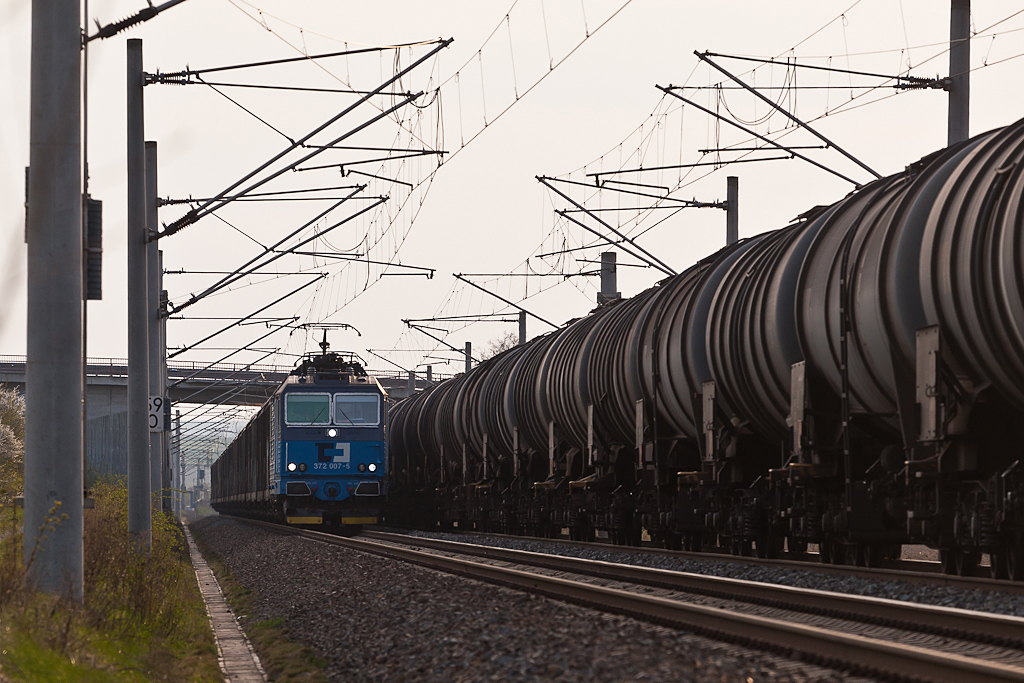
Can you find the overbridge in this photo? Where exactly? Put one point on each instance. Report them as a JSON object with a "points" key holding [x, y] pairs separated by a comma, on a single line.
{"points": [[191, 382], [227, 384]]}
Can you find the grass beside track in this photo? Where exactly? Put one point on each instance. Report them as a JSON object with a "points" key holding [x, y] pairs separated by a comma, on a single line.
{"points": [[142, 617], [283, 659]]}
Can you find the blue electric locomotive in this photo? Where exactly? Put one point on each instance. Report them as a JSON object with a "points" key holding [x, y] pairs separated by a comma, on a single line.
{"points": [[315, 453]]}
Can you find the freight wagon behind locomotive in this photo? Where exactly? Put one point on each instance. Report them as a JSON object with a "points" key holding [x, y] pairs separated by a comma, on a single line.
{"points": [[854, 380], [315, 453]]}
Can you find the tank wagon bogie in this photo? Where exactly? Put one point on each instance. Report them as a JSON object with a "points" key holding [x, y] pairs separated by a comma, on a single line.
{"points": [[854, 380], [315, 453]]}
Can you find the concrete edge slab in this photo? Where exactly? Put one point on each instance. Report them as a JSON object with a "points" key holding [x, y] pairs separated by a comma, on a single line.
{"points": [[237, 659]]}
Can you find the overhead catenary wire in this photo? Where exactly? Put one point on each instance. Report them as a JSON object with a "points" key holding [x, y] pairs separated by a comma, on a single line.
{"points": [[242, 272], [646, 256], [256, 312], [210, 206], [793, 118], [671, 90], [400, 239]]}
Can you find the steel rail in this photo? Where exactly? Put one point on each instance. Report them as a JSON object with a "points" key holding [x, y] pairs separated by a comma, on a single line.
{"points": [[850, 652], [912, 571], [914, 616]]}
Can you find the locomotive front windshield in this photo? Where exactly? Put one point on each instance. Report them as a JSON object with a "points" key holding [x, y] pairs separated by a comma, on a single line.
{"points": [[356, 410], [307, 409]]}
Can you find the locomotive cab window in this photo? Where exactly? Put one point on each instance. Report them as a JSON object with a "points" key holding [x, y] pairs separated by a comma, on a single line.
{"points": [[307, 409], [356, 410]]}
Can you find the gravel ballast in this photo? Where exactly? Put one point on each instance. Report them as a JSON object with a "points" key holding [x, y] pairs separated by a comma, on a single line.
{"points": [[374, 619]]}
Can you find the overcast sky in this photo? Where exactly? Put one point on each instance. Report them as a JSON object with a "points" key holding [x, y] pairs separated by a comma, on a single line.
{"points": [[503, 115]]}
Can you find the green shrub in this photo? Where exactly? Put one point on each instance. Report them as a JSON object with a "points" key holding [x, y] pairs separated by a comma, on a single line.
{"points": [[142, 617]]}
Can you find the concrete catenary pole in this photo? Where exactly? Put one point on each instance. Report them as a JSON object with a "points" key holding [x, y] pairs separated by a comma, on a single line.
{"points": [[139, 507], [469, 356], [959, 71], [609, 279], [156, 438], [176, 479], [54, 385], [732, 209], [522, 327], [168, 478]]}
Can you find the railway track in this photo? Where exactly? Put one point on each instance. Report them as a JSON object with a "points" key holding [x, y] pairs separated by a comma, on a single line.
{"points": [[867, 636], [910, 571]]}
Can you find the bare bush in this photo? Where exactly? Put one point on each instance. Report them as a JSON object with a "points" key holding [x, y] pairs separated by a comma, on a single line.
{"points": [[498, 344], [12, 445]]}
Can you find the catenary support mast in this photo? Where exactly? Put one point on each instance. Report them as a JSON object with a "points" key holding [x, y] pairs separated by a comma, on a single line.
{"points": [[139, 506], [732, 210], [54, 384], [959, 71], [156, 389]]}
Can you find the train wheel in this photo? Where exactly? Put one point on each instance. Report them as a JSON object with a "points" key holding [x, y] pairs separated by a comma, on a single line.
{"points": [[741, 547], [997, 568], [947, 558], [635, 533], [1013, 558], [873, 553], [825, 550], [966, 562], [840, 552], [794, 545], [769, 546]]}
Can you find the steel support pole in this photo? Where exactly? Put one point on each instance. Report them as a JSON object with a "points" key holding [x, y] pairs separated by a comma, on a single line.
{"points": [[54, 384], [139, 480], [732, 210], [959, 71], [156, 439], [469, 356], [522, 327]]}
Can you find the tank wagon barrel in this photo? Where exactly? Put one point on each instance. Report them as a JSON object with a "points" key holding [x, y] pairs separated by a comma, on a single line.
{"points": [[853, 380]]}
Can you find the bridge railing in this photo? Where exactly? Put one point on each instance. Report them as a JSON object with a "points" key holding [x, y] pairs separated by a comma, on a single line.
{"points": [[118, 367]]}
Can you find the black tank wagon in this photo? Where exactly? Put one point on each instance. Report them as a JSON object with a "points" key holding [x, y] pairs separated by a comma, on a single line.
{"points": [[853, 380]]}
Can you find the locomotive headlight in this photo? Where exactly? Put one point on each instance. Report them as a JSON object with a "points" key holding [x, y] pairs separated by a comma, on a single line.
{"points": [[362, 467], [291, 467], [332, 433], [372, 467], [302, 467]]}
